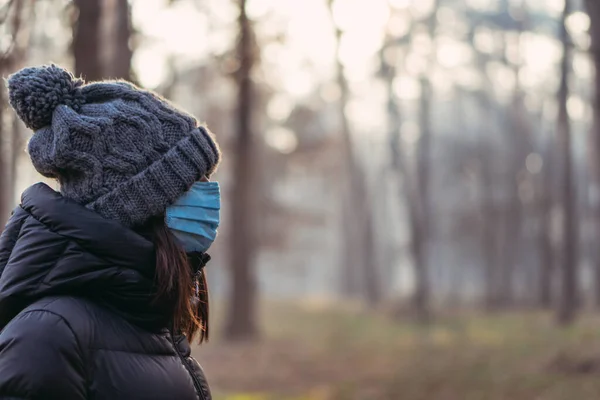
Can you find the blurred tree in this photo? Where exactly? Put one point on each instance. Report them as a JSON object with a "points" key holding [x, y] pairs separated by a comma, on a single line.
{"points": [[357, 215], [242, 315], [389, 70], [4, 177], [546, 250], [593, 9], [22, 29], [488, 207], [12, 15], [118, 39], [87, 39], [504, 185], [409, 190], [416, 186], [518, 127], [422, 230], [350, 238], [18, 140], [568, 299]]}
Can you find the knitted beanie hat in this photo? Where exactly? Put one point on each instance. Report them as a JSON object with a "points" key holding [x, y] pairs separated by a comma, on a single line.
{"points": [[121, 151]]}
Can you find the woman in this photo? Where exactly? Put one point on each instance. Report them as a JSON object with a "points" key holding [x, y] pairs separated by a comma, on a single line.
{"points": [[101, 285]]}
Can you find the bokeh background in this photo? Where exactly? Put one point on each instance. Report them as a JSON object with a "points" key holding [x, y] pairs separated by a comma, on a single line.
{"points": [[411, 187]]}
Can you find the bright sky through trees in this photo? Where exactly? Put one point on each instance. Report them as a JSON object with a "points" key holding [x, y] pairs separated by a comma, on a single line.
{"points": [[298, 45]]}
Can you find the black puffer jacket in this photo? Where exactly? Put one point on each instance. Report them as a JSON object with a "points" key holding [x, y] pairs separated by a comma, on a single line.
{"points": [[77, 318]]}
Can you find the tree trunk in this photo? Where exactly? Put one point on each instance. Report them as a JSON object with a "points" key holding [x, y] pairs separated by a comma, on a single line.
{"points": [[8, 60], [546, 263], [4, 178], [242, 323], [546, 254], [519, 141], [568, 301], [414, 190], [350, 247], [370, 272], [394, 121], [421, 227], [358, 215], [593, 9], [489, 206], [488, 237], [118, 38], [86, 44], [17, 144], [510, 248], [408, 190]]}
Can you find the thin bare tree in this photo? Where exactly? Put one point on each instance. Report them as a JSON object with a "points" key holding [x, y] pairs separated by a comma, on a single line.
{"points": [[357, 215], [408, 189], [568, 299], [487, 181], [4, 178], [242, 313], [422, 228], [117, 39], [518, 129], [87, 39], [488, 223], [546, 249], [593, 9], [13, 14], [415, 186]]}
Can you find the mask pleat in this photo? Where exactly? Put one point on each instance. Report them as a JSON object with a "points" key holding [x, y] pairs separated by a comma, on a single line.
{"points": [[194, 218]]}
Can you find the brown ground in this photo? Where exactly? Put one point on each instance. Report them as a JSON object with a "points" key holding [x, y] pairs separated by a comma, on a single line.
{"points": [[333, 354]]}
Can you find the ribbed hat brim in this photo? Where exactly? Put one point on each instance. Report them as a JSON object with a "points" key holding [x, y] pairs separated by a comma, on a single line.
{"points": [[152, 190]]}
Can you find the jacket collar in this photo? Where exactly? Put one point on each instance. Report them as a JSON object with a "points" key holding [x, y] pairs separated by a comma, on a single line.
{"points": [[103, 237], [54, 246]]}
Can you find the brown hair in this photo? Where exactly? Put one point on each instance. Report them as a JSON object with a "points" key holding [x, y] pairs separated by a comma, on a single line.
{"points": [[175, 283]]}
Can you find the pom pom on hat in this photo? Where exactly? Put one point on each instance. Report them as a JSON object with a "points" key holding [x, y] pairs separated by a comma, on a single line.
{"points": [[35, 92]]}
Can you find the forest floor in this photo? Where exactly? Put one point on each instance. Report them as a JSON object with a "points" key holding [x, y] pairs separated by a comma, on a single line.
{"points": [[324, 353]]}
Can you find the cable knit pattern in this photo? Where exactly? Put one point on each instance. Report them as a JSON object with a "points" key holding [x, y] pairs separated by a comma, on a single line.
{"points": [[121, 151]]}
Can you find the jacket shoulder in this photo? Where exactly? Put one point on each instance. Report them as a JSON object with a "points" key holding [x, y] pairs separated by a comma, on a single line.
{"points": [[98, 328], [40, 334], [76, 313]]}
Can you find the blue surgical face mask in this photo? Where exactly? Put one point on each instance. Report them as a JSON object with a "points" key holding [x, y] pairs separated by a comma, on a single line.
{"points": [[194, 218]]}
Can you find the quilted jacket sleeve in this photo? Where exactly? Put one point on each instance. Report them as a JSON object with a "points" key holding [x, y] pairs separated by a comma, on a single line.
{"points": [[40, 358]]}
